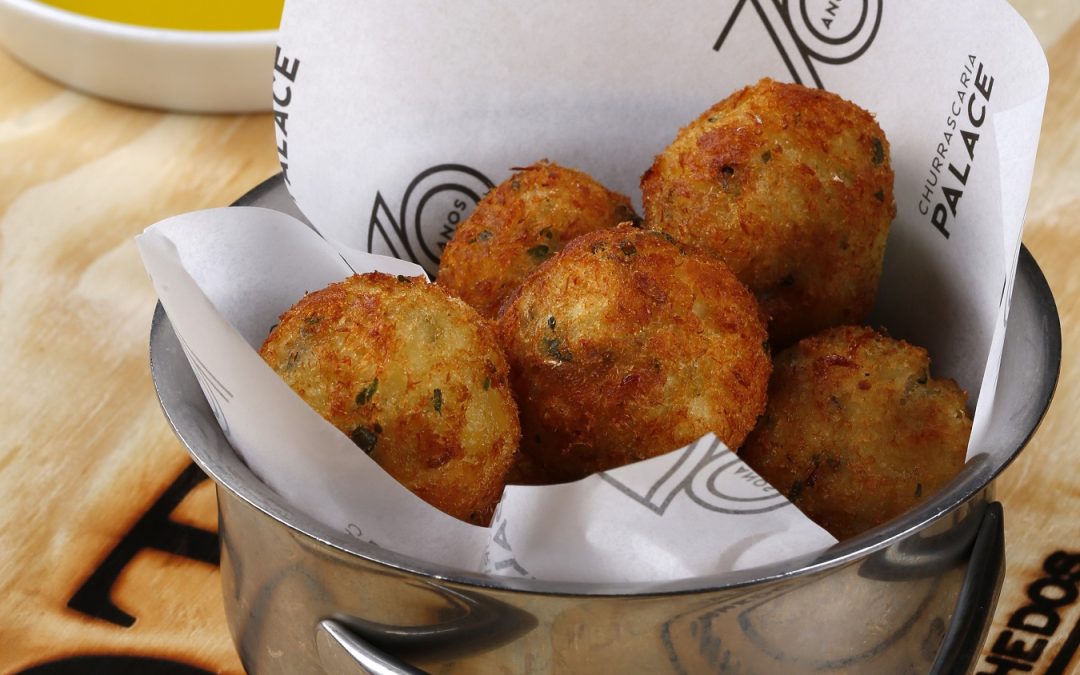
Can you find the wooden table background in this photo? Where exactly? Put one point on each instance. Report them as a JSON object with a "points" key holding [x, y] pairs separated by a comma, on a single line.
{"points": [[85, 451]]}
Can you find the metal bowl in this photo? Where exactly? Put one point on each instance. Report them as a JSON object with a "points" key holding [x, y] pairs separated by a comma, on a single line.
{"points": [[914, 595]]}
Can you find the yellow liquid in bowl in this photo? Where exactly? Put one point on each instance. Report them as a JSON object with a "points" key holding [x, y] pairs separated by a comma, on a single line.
{"points": [[213, 15]]}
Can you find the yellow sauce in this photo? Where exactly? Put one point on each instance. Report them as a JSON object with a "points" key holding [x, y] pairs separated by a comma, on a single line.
{"points": [[181, 14]]}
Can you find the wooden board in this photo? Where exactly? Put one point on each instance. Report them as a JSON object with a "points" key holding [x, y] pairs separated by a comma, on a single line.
{"points": [[107, 538]]}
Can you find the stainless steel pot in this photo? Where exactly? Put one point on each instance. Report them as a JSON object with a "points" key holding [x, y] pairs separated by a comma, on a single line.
{"points": [[913, 596]]}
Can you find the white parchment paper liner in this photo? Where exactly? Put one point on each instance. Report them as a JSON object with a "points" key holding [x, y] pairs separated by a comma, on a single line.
{"points": [[393, 119]]}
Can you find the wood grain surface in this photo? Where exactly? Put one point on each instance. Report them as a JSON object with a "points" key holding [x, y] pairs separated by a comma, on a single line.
{"points": [[85, 453]]}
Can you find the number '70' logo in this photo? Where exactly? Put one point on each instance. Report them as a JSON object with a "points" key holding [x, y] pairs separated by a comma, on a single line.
{"points": [[712, 476], [808, 31]]}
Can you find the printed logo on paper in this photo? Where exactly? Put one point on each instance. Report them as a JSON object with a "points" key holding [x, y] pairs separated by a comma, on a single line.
{"points": [[433, 205], [217, 394], [499, 557], [809, 31], [950, 164], [711, 476]]}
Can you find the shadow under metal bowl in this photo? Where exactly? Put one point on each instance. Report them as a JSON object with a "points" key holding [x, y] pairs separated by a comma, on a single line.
{"points": [[914, 595]]}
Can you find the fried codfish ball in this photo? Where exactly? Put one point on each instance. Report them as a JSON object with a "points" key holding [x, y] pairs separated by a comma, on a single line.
{"points": [[414, 377], [627, 345], [856, 431], [792, 188], [521, 223]]}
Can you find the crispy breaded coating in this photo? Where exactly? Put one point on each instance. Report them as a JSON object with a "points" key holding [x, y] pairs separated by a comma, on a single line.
{"points": [[792, 187], [856, 431], [414, 377], [521, 223], [627, 345]]}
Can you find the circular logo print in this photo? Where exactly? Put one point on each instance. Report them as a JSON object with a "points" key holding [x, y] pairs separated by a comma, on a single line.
{"points": [[727, 485], [435, 203], [835, 31]]}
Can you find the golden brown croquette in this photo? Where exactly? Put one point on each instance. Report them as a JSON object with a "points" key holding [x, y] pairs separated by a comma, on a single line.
{"points": [[521, 223], [627, 345], [856, 431], [792, 188], [414, 377]]}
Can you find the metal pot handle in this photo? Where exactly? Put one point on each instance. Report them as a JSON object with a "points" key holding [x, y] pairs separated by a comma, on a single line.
{"points": [[341, 651], [974, 612]]}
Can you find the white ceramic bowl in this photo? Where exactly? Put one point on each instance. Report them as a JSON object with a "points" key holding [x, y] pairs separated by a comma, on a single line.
{"points": [[195, 71]]}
